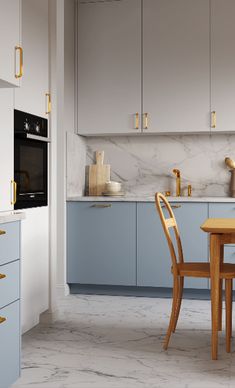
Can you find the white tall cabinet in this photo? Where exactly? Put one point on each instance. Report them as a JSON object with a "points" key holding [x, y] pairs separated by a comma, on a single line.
{"points": [[223, 64], [10, 43], [31, 96], [6, 149], [109, 67], [176, 65]]}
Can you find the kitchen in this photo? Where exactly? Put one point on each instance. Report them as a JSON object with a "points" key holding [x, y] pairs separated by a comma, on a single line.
{"points": [[149, 85]]}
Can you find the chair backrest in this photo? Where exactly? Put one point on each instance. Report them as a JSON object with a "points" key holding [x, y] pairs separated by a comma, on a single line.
{"points": [[167, 223]]}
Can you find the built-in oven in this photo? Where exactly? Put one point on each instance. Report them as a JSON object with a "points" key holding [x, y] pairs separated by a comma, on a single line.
{"points": [[30, 160]]}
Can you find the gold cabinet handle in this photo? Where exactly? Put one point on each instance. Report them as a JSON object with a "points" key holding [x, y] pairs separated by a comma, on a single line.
{"points": [[136, 120], [102, 205], [2, 319], [20, 50], [14, 192], [2, 276], [2, 232], [48, 103], [173, 206], [213, 119], [146, 120]]}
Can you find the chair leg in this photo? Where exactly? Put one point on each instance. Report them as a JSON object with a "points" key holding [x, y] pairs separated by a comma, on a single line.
{"points": [[220, 304], [179, 300], [173, 311], [228, 301]]}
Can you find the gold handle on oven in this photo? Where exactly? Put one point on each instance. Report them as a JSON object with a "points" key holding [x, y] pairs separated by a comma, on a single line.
{"points": [[2, 276], [2, 319], [20, 73], [14, 192], [213, 119], [48, 103], [146, 119], [136, 120]]}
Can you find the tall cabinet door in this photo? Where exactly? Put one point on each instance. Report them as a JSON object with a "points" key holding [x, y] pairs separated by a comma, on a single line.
{"points": [[31, 97], [10, 38], [223, 64], [109, 66], [6, 148], [176, 68]]}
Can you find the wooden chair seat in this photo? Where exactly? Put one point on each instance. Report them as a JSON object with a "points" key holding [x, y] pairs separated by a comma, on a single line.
{"points": [[202, 270]]}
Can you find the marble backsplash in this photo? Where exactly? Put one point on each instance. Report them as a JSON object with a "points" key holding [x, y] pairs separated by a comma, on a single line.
{"points": [[144, 164]]}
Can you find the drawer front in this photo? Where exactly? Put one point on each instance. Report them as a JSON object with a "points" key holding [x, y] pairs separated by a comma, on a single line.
{"points": [[9, 242], [10, 284], [10, 345]]}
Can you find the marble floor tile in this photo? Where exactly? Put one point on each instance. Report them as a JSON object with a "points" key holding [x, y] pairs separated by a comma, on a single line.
{"points": [[116, 342]]}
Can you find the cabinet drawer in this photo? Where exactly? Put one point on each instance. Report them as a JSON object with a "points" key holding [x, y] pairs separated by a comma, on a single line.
{"points": [[9, 285], [10, 345], [9, 242]]}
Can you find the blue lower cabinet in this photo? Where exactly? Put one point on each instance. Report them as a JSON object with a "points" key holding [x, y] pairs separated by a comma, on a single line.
{"points": [[153, 258], [9, 282], [10, 344], [10, 242], [101, 243]]}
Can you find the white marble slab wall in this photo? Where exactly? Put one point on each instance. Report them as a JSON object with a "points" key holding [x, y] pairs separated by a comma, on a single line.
{"points": [[144, 164], [75, 166]]}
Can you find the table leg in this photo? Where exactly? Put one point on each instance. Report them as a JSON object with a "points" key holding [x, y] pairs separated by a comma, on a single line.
{"points": [[215, 290], [221, 290]]}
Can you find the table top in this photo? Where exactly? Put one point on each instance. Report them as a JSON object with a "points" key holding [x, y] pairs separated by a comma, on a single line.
{"points": [[219, 225]]}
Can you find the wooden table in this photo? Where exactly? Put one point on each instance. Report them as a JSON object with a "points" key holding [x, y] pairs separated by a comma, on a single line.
{"points": [[222, 231]]}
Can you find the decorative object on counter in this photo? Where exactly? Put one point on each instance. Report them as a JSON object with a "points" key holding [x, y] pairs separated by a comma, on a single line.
{"points": [[113, 189], [178, 182], [189, 190], [231, 164], [167, 193], [98, 175]]}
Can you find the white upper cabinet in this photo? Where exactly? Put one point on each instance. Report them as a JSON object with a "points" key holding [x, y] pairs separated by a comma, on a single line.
{"points": [[176, 66], [6, 149], [31, 96], [11, 54], [109, 67], [223, 64]]}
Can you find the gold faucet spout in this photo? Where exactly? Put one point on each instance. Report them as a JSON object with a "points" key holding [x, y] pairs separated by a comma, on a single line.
{"points": [[178, 182]]}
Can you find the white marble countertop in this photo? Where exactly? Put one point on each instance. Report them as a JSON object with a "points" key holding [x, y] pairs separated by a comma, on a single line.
{"points": [[11, 216], [144, 198]]}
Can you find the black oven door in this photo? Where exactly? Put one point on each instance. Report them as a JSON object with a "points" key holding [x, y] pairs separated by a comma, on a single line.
{"points": [[30, 172]]}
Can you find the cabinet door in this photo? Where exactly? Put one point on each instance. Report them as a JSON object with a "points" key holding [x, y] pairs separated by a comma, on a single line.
{"points": [[176, 68], [101, 243], [223, 63], [31, 97], [109, 66], [9, 39], [6, 148], [153, 258]]}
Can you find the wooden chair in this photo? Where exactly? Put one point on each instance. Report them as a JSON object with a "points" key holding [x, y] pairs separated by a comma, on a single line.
{"points": [[181, 269]]}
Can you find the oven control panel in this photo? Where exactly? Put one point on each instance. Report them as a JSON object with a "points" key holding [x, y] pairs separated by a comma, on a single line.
{"points": [[25, 123]]}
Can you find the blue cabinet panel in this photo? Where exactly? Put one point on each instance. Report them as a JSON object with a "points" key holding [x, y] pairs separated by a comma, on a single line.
{"points": [[153, 258], [10, 242], [10, 345], [10, 284], [101, 243]]}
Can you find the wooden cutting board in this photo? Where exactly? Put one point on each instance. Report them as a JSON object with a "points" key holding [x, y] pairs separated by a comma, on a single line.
{"points": [[98, 175]]}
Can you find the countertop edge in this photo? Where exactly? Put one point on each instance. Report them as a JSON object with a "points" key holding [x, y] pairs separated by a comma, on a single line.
{"points": [[11, 216], [151, 199]]}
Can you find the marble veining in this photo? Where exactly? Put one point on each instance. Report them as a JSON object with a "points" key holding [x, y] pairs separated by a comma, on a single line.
{"points": [[144, 163], [116, 342]]}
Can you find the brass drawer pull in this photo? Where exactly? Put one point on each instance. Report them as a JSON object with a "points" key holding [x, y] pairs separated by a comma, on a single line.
{"points": [[173, 206], [2, 232], [2, 276], [136, 120], [102, 205], [2, 319], [146, 124], [213, 119]]}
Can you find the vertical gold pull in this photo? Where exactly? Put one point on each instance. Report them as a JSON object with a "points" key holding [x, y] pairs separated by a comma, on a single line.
{"points": [[2, 319], [20, 73], [2, 276], [2, 232], [213, 119], [136, 120], [14, 192], [189, 190], [145, 120], [48, 103]]}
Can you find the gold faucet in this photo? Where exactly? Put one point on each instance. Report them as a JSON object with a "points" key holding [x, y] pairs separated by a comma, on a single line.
{"points": [[178, 182]]}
